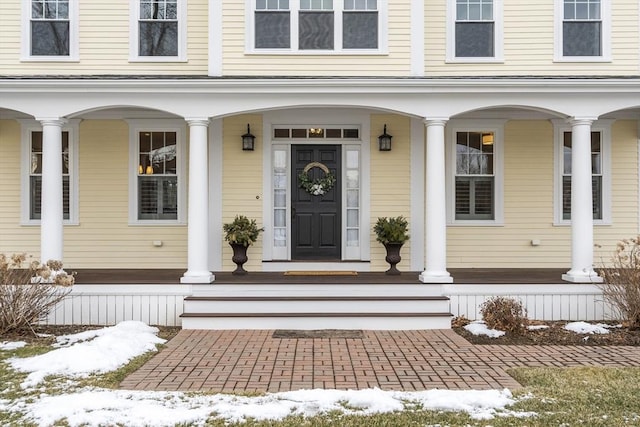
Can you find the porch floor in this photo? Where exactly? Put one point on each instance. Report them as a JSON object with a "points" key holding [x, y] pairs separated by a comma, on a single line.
{"points": [[256, 360], [460, 276]]}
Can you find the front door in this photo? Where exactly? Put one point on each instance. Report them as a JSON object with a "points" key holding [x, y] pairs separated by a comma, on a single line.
{"points": [[315, 202]]}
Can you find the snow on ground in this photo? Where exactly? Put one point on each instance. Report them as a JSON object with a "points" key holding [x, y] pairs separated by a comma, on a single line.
{"points": [[537, 327], [587, 328], [6, 345], [107, 349], [478, 327]]}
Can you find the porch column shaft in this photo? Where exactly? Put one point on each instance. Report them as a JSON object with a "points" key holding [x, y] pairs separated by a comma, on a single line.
{"points": [[581, 205], [198, 216], [435, 221], [51, 209]]}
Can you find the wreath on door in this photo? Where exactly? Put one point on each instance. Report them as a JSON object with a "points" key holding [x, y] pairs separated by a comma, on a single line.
{"points": [[320, 186]]}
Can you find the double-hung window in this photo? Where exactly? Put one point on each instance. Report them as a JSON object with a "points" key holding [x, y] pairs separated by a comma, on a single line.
{"points": [[51, 30], [157, 193], [474, 32], [475, 172], [159, 30], [35, 175], [600, 173], [317, 25], [582, 29]]}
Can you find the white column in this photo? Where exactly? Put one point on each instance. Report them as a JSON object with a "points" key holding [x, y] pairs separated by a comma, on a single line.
{"points": [[581, 205], [435, 218], [52, 214], [198, 217]]}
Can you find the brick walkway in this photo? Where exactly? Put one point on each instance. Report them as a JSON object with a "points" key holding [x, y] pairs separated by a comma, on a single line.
{"points": [[252, 360]]}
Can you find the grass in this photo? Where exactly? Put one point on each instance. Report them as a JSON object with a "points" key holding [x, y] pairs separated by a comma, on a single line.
{"points": [[584, 396]]}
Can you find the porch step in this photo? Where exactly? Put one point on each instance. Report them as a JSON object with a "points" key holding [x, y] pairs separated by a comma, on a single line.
{"points": [[299, 306]]}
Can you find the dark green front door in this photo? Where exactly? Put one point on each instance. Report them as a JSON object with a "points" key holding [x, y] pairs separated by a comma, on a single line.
{"points": [[316, 219]]}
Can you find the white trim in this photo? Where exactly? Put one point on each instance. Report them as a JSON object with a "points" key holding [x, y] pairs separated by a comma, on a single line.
{"points": [[498, 36], [74, 50], [134, 17], [383, 29], [215, 39], [27, 127], [216, 167], [160, 125], [417, 38], [417, 225], [605, 14], [497, 127], [604, 127]]}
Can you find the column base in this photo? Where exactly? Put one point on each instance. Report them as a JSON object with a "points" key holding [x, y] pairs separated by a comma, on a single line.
{"points": [[582, 276], [435, 277], [198, 277]]}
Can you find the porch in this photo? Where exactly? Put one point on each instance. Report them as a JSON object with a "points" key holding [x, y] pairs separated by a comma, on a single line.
{"points": [[156, 297]]}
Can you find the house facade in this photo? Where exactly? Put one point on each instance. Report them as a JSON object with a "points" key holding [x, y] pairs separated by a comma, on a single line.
{"points": [[514, 133]]}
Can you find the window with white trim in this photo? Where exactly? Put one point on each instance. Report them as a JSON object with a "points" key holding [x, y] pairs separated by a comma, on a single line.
{"points": [[582, 29], [50, 30], [31, 211], [474, 30], [316, 25], [159, 31], [600, 173], [475, 172]]}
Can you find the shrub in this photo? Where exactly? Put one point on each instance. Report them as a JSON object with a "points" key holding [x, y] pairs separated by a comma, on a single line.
{"points": [[391, 230], [621, 281], [504, 314], [29, 291], [241, 230]]}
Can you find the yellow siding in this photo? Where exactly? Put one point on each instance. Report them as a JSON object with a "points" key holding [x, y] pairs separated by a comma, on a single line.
{"points": [[390, 183], [242, 183], [396, 63], [13, 237], [529, 43], [528, 205], [104, 43]]}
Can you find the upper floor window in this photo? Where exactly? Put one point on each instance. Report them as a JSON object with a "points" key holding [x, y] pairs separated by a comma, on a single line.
{"points": [[50, 30], [157, 187], [475, 172], [474, 32], [582, 29], [317, 25], [160, 30]]}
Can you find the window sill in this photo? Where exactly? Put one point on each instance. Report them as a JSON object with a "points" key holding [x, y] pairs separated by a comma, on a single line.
{"points": [[158, 59], [476, 223], [156, 223], [355, 52], [581, 59], [50, 59], [475, 61]]}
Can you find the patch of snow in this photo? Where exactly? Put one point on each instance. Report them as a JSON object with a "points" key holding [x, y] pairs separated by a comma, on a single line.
{"points": [[587, 328], [478, 327], [537, 327], [11, 345]]}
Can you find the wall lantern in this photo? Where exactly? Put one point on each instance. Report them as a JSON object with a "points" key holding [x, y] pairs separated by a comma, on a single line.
{"points": [[384, 140], [487, 139], [248, 140]]}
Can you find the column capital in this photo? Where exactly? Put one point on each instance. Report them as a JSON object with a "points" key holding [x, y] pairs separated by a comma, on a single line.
{"points": [[435, 121], [52, 121], [197, 121], [581, 121]]}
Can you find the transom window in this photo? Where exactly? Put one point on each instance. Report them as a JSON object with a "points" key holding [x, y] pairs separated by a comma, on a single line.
{"points": [[474, 176], [596, 174], [158, 28], [316, 133], [582, 28], [35, 175], [316, 25], [50, 32], [157, 176], [474, 28]]}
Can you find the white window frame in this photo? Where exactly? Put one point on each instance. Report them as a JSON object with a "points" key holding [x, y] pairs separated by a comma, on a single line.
{"points": [[27, 127], [604, 127], [152, 125], [134, 34], [294, 8], [25, 52], [498, 36], [605, 14], [485, 126]]}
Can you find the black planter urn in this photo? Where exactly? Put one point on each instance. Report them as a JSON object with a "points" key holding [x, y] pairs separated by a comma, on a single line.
{"points": [[393, 257], [239, 257]]}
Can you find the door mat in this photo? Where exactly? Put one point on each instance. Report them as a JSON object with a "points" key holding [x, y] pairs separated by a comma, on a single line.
{"points": [[320, 273], [318, 333]]}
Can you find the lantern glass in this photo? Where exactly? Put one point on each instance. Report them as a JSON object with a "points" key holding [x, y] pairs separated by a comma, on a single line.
{"points": [[384, 140], [248, 140]]}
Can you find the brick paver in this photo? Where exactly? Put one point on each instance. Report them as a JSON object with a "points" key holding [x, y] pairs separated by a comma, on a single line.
{"points": [[252, 360]]}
